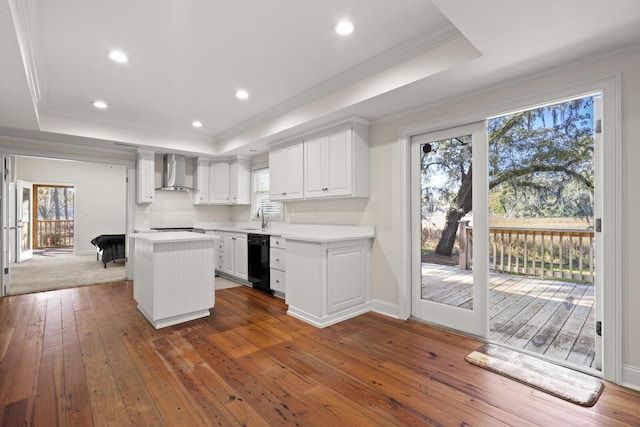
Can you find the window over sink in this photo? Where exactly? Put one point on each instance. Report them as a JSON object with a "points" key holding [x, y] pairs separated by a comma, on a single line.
{"points": [[260, 196]]}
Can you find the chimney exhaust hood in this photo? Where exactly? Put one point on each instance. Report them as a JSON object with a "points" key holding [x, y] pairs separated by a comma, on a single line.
{"points": [[173, 173]]}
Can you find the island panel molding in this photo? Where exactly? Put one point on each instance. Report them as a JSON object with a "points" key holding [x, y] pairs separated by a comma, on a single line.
{"points": [[173, 280]]}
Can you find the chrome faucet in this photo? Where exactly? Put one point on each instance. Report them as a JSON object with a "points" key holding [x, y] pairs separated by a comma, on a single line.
{"points": [[264, 221]]}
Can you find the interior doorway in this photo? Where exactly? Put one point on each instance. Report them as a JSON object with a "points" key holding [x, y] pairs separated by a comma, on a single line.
{"points": [[72, 202]]}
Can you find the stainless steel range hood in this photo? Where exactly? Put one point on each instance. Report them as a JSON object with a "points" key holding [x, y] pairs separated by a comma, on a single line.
{"points": [[173, 173]]}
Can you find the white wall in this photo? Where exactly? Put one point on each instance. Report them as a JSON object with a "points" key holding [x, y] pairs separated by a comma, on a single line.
{"points": [[386, 183], [100, 194], [383, 209]]}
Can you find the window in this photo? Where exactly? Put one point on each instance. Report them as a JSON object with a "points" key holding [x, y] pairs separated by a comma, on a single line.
{"points": [[260, 200]]}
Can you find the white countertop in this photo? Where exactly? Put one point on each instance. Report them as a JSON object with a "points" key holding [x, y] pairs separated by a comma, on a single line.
{"points": [[316, 233], [172, 236]]}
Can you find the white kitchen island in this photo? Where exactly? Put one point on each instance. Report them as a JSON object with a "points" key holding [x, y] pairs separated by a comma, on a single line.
{"points": [[173, 276]]}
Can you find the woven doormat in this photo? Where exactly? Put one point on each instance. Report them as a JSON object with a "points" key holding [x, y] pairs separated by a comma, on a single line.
{"points": [[565, 383]]}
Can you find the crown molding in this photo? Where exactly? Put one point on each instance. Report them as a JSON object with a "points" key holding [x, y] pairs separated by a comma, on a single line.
{"points": [[401, 53], [26, 34]]}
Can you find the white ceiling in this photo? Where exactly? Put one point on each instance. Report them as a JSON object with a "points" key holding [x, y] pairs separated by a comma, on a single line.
{"points": [[188, 57]]}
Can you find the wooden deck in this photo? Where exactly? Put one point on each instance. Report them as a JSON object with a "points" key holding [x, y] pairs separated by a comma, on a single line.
{"points": [[548, 317]]}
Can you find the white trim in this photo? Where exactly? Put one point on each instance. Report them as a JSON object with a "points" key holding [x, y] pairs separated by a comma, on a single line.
{"points": [[258, 166], [404, 293], [611, 90], [92, 154], [630, 377], [612, 214], [386, 308], [330, 319]]}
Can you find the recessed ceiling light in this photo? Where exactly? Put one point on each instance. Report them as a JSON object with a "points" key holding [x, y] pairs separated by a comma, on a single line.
{"points": [[196, 124], [99, 104], [344, 28], [118, 56], [242, 94]]}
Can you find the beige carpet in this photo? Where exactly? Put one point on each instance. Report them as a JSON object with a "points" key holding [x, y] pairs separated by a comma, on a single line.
{"points": [[565, 383], [44, 273]]}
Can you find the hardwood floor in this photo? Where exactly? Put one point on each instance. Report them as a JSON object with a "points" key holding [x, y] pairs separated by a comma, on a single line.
{"points": [[85, 356], [548, 317]]}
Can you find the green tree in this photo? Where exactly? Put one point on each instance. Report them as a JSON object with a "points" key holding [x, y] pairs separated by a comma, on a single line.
{"points": [[540, 164]]}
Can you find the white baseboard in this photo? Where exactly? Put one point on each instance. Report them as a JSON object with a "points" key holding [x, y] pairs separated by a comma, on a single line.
{"points": [[331, 319], [631, 377], [386, 308]]}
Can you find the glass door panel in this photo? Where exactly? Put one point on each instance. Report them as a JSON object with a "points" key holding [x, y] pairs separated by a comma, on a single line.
{"points": [[23, 218], [449, 199]]}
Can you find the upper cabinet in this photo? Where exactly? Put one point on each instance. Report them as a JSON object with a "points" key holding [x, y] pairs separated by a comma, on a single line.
{"points": [[329, 164], [222, 182], [285, 173], [240, 181], [219, 183], [145, 176], [201, 181]]}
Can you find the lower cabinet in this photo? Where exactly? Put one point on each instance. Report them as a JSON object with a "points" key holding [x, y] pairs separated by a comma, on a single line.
{"points": [[277, 264], [218, 261], [235, 262], [328, 282]]}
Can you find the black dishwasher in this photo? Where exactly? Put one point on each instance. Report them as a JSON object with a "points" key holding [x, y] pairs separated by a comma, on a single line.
{"points": [[258, 253]]}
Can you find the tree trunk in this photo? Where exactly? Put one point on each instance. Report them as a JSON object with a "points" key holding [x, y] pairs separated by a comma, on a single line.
{"points": [[66, 203], [448, 238], [462, 206], [56, 204]]}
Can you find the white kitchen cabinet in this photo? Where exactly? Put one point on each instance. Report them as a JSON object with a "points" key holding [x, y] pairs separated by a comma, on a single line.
{"points": [[145, 177], [242, 258], [222, 182], [286, 173], [219, 183], [219, 250], [327, 282], [236, 255], [336, 163], [240, 181], [277, 264], [201, 181]]}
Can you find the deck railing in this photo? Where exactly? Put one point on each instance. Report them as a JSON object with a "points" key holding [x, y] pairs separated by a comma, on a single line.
{"points": [[53, 234], [557, 253]]}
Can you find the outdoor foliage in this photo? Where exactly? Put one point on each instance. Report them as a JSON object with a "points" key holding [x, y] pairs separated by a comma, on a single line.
{"points": [[55, 202], [540, 165]]}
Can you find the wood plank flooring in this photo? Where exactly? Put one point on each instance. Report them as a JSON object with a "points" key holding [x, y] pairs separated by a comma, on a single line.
{"points": [[548, 317], [85, 356]]}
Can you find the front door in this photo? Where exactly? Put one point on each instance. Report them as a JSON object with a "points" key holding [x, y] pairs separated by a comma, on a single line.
{"points": [[449, 191], [24, 212]]}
